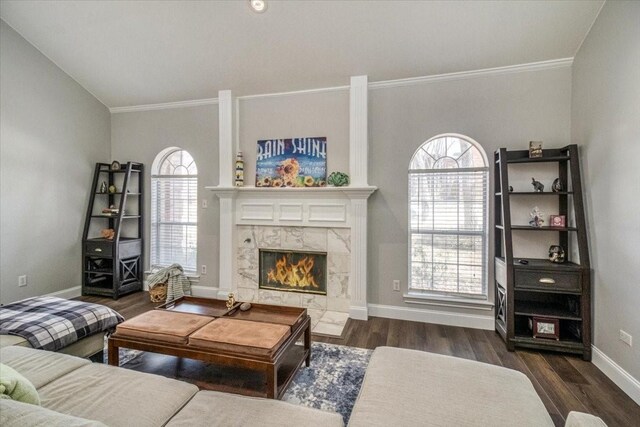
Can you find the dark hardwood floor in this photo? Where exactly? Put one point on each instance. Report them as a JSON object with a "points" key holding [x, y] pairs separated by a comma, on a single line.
{"points": [[564, 383]]}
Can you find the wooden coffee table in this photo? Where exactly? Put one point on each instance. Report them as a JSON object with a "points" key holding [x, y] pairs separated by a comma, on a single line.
{"points": [[278, 374]]}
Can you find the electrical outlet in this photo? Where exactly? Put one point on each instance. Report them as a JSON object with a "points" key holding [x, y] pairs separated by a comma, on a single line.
{"points": [[203, 269], [205, 203], [626, 338], [22, 280], [396, 285]]}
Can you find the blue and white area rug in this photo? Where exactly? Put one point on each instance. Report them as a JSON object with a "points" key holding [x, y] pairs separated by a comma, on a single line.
{"points": [[331, 383], [333, 380]]}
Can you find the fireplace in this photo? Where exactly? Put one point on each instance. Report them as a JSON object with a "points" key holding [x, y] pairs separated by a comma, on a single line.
{"points": [[293, 271]]}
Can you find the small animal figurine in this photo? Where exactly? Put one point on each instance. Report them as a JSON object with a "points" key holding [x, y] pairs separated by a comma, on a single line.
{"points": [[557, 186], [231, 301], [245, 306], [538, 187]]}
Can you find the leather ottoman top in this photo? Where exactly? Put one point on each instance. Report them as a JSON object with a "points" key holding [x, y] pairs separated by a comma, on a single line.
{"points": [[163, 325], [255, 338]]}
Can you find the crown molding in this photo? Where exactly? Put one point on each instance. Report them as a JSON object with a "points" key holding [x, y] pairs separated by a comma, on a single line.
{"points": [[164, 105], [533, 66], [295, 92]]}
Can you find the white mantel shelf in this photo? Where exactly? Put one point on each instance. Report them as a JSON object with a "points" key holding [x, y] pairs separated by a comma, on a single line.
{"points": [[259, 192]]}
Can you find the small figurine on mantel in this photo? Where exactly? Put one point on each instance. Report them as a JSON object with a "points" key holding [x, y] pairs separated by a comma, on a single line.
{"points": [[538, 187], [231, 301], [536, 218], [239, 170]]}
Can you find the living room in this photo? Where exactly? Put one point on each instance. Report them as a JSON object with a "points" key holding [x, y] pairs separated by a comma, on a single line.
{"points": [[375, 89]]}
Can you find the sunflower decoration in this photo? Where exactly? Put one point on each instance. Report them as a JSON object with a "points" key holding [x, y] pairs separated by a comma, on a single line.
{"points": [[308, 181], [277, 182], [288, 169], [266, 181], [289, 183]]}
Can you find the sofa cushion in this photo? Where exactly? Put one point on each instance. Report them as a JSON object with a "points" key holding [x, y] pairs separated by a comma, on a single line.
{"points": [[163, 325], [40, 366], [580, 419], [415, 388], [117, 396], [16, 387], [257, 338], [18, 414], [210, 408]]}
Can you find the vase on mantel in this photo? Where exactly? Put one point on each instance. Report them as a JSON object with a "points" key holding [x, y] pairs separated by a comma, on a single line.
{"points": [[239, 170]]}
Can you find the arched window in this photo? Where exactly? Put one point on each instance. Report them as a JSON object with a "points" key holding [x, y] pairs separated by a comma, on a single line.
{"points": [[448, 177], [174, 210]]}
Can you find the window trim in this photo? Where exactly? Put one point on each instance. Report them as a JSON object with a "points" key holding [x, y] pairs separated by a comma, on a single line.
{"points": [[430, 297], [161, 157]]}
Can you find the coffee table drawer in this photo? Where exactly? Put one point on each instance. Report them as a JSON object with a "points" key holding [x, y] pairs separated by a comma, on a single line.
{"points": [[547, 280]]}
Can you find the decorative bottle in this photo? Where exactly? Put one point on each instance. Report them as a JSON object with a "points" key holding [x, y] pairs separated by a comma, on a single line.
{"points": [[239, 170]]}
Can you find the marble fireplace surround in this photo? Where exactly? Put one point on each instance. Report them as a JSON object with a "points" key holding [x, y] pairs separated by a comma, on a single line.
{"points": [[336, 242]]}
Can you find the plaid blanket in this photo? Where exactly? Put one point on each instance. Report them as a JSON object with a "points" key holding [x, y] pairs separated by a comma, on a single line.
{"points": [[51, 323]]}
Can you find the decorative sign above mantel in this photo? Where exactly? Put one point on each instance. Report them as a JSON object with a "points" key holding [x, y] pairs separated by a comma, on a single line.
{"points": [[293, 162]]}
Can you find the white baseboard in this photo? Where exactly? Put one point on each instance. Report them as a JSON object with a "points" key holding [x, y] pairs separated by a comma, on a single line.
{"points": [[68, 293], [433, 316], [204, 291], [619, 376], [358, 313]]}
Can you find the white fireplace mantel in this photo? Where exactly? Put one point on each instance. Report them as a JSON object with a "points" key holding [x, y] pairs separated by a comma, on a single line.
{"points": [[323, 207]]}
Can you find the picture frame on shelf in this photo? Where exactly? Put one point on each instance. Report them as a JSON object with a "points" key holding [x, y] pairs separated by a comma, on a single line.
{"points": [[557, 221], [535, 149], [546, 327]]}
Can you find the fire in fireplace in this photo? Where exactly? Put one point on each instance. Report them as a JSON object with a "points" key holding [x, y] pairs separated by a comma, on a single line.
{"points": [[293, 271]]}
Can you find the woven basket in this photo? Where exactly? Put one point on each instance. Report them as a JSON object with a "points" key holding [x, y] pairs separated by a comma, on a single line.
{"points": [[158, 293]]}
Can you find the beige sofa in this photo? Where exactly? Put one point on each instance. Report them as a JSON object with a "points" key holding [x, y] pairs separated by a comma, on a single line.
{"points": [[401, 388]]}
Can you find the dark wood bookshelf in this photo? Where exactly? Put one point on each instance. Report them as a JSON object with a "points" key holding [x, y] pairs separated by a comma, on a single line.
{"points": [[540, 288], [113, 267]]}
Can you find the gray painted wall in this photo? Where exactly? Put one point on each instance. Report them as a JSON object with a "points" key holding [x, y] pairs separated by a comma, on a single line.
{"points": [[298, 115], [505, 110], [52, 132], [606, 124], [140, 136]]}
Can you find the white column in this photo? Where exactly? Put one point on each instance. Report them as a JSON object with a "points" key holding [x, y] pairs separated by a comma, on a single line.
{"points": [[225, 132], [226, 193], [358, 131], [358, 159], [226, 268]]}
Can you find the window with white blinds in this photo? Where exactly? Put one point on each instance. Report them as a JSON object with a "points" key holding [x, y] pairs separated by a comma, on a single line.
{"points": [[174, 211], [447, 214]]}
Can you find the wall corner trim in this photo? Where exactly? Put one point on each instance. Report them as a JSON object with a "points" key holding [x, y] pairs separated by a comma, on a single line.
{"points": [[623, 379]]}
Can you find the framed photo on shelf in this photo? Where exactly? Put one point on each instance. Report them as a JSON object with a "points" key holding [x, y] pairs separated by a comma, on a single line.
{"points": [[535, 149], [544, 327], [557, 221]]}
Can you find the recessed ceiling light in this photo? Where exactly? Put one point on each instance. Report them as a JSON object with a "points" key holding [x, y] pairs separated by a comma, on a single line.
{"points": [[258, 6]]}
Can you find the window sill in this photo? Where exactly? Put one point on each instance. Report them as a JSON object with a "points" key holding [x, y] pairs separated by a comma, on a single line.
{"points": [[444, 301]]}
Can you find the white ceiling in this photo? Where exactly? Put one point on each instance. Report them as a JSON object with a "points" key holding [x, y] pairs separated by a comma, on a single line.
{"points": [[142, 52]]}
